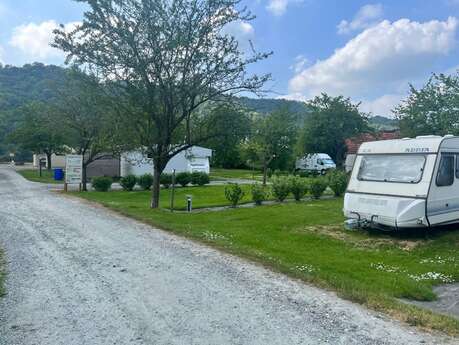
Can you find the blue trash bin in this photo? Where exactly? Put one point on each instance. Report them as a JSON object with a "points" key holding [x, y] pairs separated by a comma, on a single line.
{"points": [[58, 174]]}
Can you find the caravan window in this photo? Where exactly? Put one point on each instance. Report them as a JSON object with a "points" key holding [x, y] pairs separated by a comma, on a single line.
{"points": [[445, 175], [392, 168]]}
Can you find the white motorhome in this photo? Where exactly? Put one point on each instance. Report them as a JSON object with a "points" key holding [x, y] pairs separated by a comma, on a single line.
{"points": [[315, 163], [405, 183]]}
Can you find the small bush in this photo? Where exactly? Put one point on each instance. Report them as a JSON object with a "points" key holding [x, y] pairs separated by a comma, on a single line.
{"points": [[128, 182], [337, 180], [183, 178], [145, 181], [298, 187], [234, 194], [259, 194], [303, 173], [101, 184], [165, 180], [317, 186], [281, 187], [199, 178]]}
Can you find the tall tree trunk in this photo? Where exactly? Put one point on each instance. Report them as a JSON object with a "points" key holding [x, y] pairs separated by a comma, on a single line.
{"points": [[156, 188], [49, 162], [83, 178]]}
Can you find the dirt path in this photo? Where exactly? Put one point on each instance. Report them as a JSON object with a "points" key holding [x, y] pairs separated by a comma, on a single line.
{"points": [[81, 275]]}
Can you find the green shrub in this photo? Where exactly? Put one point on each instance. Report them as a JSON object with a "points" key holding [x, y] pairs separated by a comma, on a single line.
{"points": [[145, 181], [317, 186], [337, 181], [199, 178], [259, 193], [298, 187], [234, 194], [183, 178], [281, 187], [303, 173], [165, 180], [128, 182], [101, 184]]}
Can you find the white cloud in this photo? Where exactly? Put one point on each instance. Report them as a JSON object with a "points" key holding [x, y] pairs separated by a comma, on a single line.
{"points": [[279, 7], [242, 31], [380, 60], [300, 63], [367, 16], [383, 105], [1, 54], [33, 40]]}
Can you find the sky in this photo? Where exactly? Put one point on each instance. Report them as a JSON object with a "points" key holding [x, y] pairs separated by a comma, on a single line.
{"points": [[368, 51]]}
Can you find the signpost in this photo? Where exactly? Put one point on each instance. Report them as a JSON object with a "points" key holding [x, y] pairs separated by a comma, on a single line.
{"points": [[73, 170]]}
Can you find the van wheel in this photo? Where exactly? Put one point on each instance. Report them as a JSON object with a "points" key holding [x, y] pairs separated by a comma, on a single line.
{"points": [[323, 172]]}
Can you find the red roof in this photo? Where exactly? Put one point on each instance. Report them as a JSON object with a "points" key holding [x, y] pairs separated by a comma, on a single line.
{"points": [[354, 143]]}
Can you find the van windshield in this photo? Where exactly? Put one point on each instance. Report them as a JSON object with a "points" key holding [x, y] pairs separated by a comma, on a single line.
{"points": [[392, 168]]}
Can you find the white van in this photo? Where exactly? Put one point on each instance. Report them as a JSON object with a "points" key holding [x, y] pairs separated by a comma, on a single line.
{"points": [[318, 163], [406, 183]]}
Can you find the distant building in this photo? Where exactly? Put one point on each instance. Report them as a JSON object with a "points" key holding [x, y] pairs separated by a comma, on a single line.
{"points": [[353, 144], [105, 165]]}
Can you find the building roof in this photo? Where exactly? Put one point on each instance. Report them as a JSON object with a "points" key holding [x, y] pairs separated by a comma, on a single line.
{"points": [[353, 144]]}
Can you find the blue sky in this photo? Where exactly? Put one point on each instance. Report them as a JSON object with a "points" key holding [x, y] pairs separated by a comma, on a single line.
{"points": [[366, 50]]}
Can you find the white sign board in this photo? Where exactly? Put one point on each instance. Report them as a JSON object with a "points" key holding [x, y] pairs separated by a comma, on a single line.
{"points": [[73, 169]]}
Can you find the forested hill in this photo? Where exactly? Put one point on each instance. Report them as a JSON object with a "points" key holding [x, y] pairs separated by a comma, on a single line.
{"points": [[20, 85], [268, 105]]}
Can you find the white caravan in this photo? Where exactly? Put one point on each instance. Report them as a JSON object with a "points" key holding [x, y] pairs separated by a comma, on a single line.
{"points": [[405, 183], [195, 158], [316, 163]]}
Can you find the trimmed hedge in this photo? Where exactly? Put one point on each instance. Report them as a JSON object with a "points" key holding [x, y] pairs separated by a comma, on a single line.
{"points": [[101, 184]]}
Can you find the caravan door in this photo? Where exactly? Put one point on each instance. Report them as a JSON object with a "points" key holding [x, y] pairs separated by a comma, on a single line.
{"points": [[443, 199]]}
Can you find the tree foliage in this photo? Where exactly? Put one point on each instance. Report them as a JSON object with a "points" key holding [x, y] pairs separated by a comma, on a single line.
{"points": [[433, 109], [37, 132], [272, 139], [86, 112], [169, 58], [331, 121]]}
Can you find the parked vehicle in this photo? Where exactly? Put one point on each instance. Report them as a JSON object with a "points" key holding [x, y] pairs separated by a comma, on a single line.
{"points": [[318, 163], [405, 183]]}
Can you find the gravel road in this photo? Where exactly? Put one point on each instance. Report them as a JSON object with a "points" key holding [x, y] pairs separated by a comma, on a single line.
{"points": [[79, 274]]}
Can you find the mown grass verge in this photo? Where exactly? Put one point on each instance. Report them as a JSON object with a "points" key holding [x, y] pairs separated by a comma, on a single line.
{"points": [[34, 176], [307, 241]]}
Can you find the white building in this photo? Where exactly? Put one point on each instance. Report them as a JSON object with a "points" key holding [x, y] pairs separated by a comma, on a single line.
{"points": [[195, 158]]}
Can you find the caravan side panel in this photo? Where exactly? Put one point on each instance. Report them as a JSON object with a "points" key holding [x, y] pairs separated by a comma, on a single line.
{"points": [[443, 198]]}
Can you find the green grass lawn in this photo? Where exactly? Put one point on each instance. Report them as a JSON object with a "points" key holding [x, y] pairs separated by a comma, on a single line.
{"points": [[207, 196], [221, 174], [306, 240], [34, 176]]}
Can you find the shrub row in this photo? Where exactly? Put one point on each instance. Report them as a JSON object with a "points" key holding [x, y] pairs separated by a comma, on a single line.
{"points": [[282, 186], [103, 184]]}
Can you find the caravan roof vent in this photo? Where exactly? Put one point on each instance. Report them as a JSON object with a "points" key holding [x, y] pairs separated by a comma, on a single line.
{"points": [[427, 136], [406, 138]]}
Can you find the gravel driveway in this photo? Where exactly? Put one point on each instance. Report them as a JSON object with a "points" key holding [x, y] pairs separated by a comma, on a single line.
{"points": [[79, 274]]}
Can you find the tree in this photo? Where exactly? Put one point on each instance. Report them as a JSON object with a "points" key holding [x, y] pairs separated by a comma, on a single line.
{"points": [[331, 121], [234, 127], [433, 109], [272, 138], [169, 57], [37, 131], [86, 114]]}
